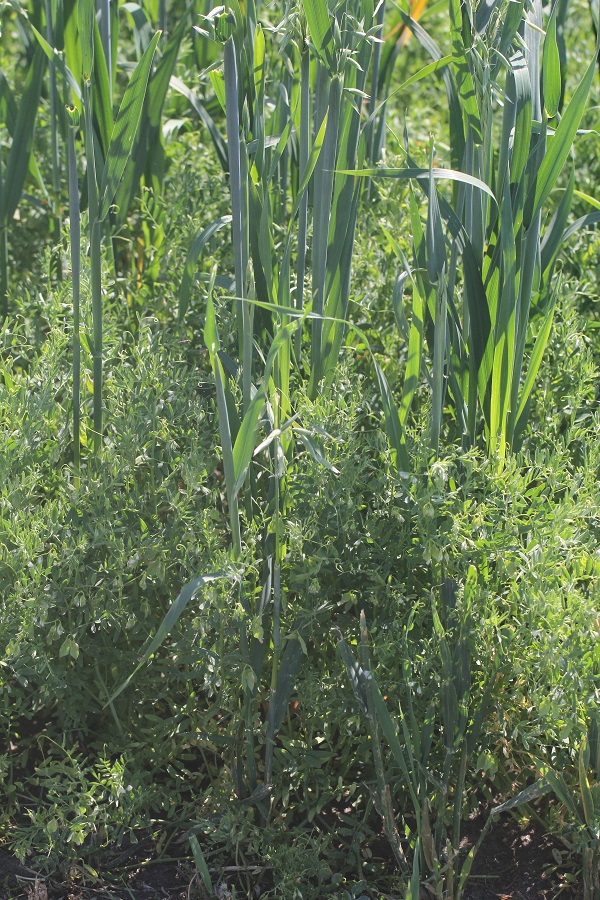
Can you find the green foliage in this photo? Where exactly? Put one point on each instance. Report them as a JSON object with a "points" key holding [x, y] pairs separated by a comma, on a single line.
{"points": [[84, 805], [170, 610], [63, 657], [485, 292], [19, 120]]}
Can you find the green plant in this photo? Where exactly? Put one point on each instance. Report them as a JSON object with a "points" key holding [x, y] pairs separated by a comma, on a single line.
{"points": [[19, 120], [244, 467], [75, 240], [80, 802], [103, 181], [337, 52], [108, 172], [581, 802], [484, 290], [55, 129], [454, 714]]}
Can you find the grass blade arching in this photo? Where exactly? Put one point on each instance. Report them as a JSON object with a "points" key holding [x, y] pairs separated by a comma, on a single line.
{"points": [[167, 624], [193, 256]]}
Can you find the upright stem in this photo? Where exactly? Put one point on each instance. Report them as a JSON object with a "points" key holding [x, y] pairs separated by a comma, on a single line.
{"points": [[56, 211], [74, 216], [4, 271], [96, 282], [247, 308], [439, 356], [3, 245], [375, 67], [238, 184], [303, 212], [383, 803], [233, 153], [322, 210], [277, 475], [106, 37], [95, 270]]}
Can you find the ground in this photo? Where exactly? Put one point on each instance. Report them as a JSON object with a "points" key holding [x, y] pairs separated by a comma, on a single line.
{"points": [[513, 863]]}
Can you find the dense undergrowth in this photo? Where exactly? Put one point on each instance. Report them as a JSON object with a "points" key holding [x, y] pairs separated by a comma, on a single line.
{"points": [[390, 649]]}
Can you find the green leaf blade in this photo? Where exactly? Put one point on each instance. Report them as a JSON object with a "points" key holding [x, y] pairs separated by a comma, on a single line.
{"points": [[20, 152], [560, 145], [551, 75], [169, 621], [125, 129], [86, 20]]}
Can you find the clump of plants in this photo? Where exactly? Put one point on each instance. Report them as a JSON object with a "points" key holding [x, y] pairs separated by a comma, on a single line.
{"points": [[297, 550]]}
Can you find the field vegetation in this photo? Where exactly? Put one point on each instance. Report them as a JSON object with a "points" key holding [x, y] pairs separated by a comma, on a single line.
{"points": [[299, 445]]}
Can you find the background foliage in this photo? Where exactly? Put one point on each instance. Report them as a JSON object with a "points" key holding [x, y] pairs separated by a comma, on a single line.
{"points": [[272, 377]]}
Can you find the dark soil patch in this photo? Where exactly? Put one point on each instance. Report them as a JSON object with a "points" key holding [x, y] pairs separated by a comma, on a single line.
{"points": [[150, 880], [513, 863], [516, 863]]}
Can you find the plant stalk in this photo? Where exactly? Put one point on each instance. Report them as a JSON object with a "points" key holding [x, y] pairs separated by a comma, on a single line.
{"points": [[95, 271], [75, 230]]}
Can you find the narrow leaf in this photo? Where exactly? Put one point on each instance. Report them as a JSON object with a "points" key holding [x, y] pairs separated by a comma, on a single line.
{"points": [[125, 129], [201, 864], [354, 672], [534, 364], [61, 67], [102, 93], [193, 256], [538, 789], [559, 786], [178, 85], [583, 222], [587, 799], [286, 680], [307, 439], [393, 427], [464, 78], [422, 175], [245, 441], [161, 79], [20, 152], [86, 20], [166, 626], [560, 145], [551, 74], [319, 26]]}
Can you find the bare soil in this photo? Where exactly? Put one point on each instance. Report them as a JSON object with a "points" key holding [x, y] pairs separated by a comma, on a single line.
{"points": [[512, 864], [518, 864]]}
